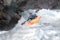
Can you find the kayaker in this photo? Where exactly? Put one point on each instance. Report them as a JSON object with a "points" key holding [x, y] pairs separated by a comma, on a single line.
{"points": [[31, 17]]}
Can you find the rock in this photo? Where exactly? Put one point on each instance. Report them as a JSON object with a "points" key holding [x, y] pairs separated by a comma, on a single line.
{"points": [[40, 4], [9, 16]]}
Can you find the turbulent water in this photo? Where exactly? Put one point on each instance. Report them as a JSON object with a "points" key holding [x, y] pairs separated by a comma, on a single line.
{"points": [[48, 27]]}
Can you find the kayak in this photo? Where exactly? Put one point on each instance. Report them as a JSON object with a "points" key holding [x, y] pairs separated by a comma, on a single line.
{"points": [[36, 20]]}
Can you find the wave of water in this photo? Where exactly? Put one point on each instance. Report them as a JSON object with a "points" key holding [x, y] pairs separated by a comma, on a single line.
{"points": [[47, 29]]}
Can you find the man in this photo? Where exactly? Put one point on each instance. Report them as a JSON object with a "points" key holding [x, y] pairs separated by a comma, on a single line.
{"points": [[31, 17]]}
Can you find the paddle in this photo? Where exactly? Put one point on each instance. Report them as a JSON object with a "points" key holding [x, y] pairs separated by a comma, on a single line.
{"points": [[23, 23]]}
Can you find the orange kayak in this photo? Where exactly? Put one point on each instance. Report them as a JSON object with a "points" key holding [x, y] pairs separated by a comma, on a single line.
{"points": [[31, 22]]}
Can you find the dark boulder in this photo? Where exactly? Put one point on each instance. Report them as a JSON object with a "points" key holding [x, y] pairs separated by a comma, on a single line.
{"points": [[9, 15]]}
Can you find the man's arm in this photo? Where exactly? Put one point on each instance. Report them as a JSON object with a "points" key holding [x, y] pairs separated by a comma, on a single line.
{"points": [[28, 19], [35, 15]]}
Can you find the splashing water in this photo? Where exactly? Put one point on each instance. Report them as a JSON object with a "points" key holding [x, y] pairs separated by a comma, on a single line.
{"points": [[48, 27]]}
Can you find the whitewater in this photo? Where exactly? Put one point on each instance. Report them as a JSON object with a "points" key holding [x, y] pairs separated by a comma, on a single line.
{"points": [[48, 28]]}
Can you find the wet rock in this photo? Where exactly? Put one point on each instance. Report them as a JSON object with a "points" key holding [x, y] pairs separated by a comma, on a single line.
{"points": [[9, 15], [39, 4]]}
